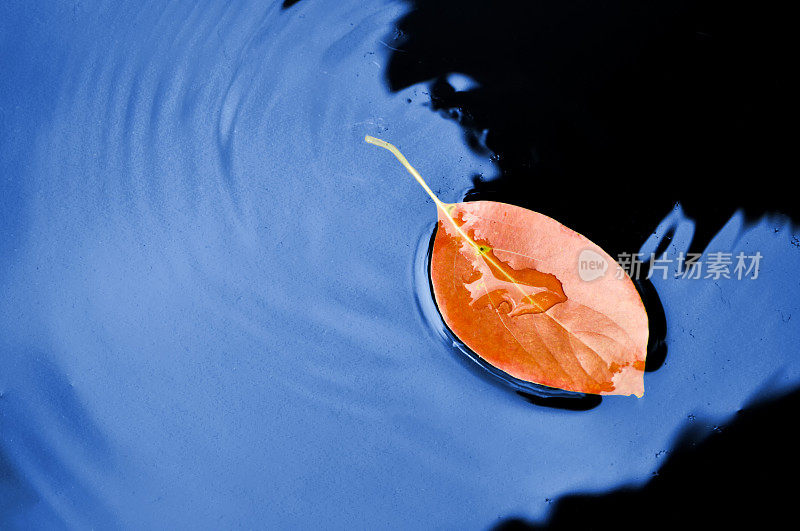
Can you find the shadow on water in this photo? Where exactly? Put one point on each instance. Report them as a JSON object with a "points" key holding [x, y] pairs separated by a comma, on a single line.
{"points": [[40, 413], [714, 483], [657, 321], [604, 115]]}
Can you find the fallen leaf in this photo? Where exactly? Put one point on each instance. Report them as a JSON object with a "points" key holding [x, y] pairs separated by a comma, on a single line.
{"points": [[534, 298]]}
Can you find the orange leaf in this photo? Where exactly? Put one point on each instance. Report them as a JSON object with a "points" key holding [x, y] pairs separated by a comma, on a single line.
{"points": [[507, 282]]}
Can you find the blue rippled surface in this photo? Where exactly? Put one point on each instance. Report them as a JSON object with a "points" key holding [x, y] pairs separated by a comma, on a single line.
{"points": [[209, 312]]}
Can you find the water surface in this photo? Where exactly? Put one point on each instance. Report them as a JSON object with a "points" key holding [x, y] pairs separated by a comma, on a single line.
{"points": [[210, 316]]}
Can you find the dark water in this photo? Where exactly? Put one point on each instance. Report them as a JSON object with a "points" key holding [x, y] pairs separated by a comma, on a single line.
{"points": [[212, 311]]}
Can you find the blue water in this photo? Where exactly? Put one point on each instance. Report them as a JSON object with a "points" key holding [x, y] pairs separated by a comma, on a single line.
{"points": [[209, 313]]}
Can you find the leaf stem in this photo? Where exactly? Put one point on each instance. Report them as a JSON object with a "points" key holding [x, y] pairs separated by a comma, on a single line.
{"points": [[446, 209], [396, 152]]}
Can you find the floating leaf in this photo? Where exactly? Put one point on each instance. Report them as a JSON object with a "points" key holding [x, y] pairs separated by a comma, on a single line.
{"points": [[534, 298]]}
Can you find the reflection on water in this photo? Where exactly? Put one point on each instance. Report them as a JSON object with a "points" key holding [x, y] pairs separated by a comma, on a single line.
{"points": [[210, 296]]}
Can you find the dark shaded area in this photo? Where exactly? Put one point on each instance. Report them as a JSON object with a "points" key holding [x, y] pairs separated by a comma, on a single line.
{"points": [[579, 402], [35, 389], [604, 114], [288, 3], [741, 474], [657, 322]]}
